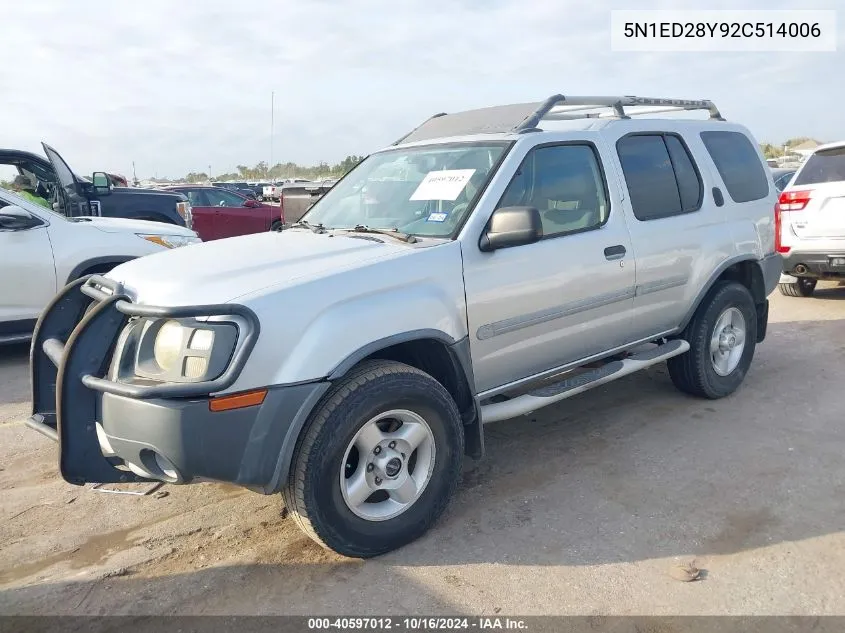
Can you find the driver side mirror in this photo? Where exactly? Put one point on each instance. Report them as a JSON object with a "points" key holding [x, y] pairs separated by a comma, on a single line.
{"points": [[15, 218], [252, 204], [102, 183], [512, 226]]}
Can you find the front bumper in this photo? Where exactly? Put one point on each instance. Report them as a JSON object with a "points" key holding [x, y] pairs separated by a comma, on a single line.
{"points": [[111, 431], [816, 265]]}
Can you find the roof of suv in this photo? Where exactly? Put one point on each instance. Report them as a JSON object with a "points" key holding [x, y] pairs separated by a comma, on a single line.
{"points": [[508, 122], [833, 145]]}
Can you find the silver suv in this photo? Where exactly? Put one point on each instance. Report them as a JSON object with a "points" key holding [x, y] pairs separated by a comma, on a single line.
{"points": [[487, 264], [810, 222]]}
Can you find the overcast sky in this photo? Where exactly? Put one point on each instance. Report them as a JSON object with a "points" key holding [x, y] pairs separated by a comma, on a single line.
{"points": [[177, 86]]}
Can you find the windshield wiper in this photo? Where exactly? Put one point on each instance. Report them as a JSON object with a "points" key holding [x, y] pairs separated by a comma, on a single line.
{"points": [[404, 237], [315, 228]]}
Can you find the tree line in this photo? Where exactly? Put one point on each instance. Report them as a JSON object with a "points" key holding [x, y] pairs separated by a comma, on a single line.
{"points": [[280, 171], [772, 150]]}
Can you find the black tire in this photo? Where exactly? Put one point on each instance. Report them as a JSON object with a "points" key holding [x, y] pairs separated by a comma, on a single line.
{"points": [[98, 269], [313, 493], [802, 287], [693, 372], [276, 226]]}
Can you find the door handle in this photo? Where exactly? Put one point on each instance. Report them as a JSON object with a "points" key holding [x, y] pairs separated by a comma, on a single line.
{"points": [[615, 252]]}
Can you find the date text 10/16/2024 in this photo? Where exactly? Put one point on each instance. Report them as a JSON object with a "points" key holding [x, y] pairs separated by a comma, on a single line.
{"points": [[417, 624]]}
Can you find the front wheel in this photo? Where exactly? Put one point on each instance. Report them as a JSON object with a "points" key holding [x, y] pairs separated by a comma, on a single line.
{"points": [[722, 337], [801, 287], [378, 461]]}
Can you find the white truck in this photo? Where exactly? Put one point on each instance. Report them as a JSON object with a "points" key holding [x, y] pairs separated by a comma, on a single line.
{"points": [[515, 256], [274, 192]]}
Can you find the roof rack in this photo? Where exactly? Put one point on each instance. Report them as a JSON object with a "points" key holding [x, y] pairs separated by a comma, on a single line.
{"points": [[559, 107], [525, 117]]}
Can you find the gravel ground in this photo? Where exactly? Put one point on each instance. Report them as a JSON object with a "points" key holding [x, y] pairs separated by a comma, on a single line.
{"points": [[587, 507]]}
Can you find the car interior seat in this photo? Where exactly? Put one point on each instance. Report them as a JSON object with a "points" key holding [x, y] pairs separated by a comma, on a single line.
{"points": [[567, 199]]}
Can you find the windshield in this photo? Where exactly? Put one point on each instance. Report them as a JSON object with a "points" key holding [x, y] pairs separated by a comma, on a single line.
{"points": [[823, 166], [424, 191]]}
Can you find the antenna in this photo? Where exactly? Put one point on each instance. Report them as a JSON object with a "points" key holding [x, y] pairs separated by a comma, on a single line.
{"points": [[134, 175], [272, 125]]}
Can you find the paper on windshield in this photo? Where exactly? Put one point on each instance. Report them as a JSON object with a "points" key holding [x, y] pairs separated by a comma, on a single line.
{"points": [[443, 185]]}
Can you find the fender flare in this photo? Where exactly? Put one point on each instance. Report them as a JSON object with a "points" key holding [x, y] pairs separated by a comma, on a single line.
{"points": [[371, 348], [702, 293], [460, 349], [461, 357], [96, 261]]}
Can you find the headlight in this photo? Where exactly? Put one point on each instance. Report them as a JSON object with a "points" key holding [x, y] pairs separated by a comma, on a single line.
{"points": [[171, 241], [168, 345], [177, 350]]}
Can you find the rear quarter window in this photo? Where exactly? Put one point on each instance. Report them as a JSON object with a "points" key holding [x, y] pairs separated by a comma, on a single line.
{"points": [[738, 164], [661, 177], [827, 165]]}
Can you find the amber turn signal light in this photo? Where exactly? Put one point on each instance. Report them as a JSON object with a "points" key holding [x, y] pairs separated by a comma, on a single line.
{"points": [[238, 400]]}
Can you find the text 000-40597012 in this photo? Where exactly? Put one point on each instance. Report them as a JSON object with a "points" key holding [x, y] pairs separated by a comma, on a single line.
{"points": [[417, 623]]}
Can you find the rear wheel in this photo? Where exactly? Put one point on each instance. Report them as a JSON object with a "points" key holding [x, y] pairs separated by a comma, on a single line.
{"points": [[722, 337], [801, 287], [378, 461]]}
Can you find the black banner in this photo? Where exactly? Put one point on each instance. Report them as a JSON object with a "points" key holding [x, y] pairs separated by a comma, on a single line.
{"points": [[409, 624]]}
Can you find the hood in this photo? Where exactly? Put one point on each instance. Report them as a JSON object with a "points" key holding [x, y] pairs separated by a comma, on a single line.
{"points": [[223, 270], [125, 225], [137, 191]]}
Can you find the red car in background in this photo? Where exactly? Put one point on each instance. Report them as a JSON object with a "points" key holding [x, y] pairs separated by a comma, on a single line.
{"points": [[220, 213]]}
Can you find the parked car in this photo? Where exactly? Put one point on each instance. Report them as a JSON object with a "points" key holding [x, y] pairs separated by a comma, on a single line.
{"points": [[782, 176], [41, 251], [269, 192], [811, 222], [238, 187], [117, 180], [258, 188], [297, 198], [274, 192], [350, 360], [220, 213], [75, 196]]}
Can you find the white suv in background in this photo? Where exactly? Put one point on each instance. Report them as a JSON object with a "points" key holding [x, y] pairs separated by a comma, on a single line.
{"points": [[810, 222], [41, 251]]}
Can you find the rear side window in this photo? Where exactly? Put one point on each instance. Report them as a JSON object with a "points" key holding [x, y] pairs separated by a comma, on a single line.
{"points": [[661, 176], [689, 186], [827, 165], [738, 165]]}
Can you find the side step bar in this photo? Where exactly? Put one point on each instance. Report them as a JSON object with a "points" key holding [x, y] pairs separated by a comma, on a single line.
{"points": [[549, 394]]}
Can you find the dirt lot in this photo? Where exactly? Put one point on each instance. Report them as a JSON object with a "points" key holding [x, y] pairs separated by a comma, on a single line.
{"points": [[582, 508]]}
